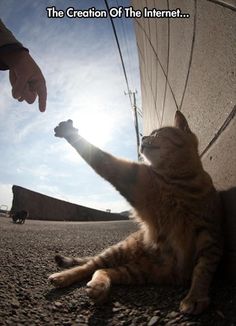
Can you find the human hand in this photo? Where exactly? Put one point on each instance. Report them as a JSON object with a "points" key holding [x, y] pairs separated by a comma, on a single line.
{"points": [[65, 129], [26, 79]]}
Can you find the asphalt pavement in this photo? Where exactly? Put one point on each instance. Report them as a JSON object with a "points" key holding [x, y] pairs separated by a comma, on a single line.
{"points": [[27, 298]]}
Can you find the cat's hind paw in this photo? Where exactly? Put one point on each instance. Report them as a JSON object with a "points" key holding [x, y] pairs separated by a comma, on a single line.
{"points": [[65, 129], [98, 291], [194, 306], [59, 280], [63, 262]]}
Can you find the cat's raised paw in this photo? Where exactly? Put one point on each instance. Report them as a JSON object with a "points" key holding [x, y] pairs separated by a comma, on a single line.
{"points": [[65, 129], [194, 306]]}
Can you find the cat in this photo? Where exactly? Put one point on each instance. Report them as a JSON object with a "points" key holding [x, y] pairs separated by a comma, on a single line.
{"points": [[19, 217], [179, 240]]}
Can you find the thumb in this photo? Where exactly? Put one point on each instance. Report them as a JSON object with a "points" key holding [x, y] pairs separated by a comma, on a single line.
{"points": [[18, 85]]}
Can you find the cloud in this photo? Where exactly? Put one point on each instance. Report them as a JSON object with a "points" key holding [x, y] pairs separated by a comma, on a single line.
{"points": [[41, 171]]}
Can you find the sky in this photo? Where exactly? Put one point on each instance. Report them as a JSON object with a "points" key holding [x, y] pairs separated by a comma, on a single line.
{"points": [[85, 82]]}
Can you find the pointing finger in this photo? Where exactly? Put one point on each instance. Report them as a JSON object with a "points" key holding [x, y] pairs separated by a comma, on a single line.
{"points": [[12, 77], [41, 89]]}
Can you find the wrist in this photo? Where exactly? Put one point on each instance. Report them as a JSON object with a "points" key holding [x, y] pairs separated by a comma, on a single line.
{"points": [[11, 54]]}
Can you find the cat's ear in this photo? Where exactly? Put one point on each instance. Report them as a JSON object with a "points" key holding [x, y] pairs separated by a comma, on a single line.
{"points": [[181, 122]]}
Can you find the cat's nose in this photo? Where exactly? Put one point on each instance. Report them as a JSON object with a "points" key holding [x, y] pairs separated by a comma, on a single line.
{"points": [[144, 137]]}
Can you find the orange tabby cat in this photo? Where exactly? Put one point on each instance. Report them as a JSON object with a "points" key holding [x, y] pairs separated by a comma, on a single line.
{"points": [[179, 240]]}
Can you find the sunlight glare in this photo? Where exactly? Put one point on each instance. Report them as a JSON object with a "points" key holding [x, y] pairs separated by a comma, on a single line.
{"points": [[94, 125]]}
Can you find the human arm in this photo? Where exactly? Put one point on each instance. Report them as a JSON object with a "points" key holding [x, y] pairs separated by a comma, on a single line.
{"points": [[25, 75]]}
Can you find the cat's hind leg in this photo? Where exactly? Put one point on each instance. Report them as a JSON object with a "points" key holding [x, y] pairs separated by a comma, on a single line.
{"points": [[72, 275], [102, 277], [67, 262], [99, 287], [107, 259], [141, 271], [119, 254]]}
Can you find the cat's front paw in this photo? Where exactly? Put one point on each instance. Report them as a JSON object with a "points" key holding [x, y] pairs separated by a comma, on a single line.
{"points": [[65, 129], [194, 306]]}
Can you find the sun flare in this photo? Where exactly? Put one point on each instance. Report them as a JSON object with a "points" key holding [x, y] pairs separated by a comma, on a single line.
{"points": [[96, 126]]}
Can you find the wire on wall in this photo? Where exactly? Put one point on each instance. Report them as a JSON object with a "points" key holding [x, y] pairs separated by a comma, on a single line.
{"points": [[129, 92]]}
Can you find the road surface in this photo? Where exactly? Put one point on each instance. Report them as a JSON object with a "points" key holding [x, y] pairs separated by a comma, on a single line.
{"points": [[26, 298]]}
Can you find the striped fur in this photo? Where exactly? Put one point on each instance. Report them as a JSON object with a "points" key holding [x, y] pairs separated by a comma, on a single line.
{"points": [[177, 206]]}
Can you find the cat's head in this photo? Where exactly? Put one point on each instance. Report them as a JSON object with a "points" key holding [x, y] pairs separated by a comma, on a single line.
{"points": [[172, 150]]}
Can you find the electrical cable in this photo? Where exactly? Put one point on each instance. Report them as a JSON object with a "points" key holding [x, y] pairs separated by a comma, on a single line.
{"points": [[133, 105], [120, 54], [125, 45]]}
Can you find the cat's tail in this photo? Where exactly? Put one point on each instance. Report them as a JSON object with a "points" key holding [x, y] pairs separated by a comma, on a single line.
{"points": [[120, 253]]}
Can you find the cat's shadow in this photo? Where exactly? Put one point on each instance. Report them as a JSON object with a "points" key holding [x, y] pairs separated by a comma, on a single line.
{"points": [[56, 293], [101, 315], [126, 298]]}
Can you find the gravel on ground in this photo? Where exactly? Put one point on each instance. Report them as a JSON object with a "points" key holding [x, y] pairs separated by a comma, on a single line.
{"points": [[27, 298]]}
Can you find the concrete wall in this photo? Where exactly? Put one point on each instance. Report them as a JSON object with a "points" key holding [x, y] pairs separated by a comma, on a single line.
{"points": [[42, 207], [190, 64]]}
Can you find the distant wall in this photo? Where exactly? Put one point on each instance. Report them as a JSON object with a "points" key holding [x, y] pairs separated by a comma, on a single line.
{"points": [[42, 207], [190, 64]]}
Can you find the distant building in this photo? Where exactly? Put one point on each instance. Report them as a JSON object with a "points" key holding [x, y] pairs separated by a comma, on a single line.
{"points": [[42, 207]]}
